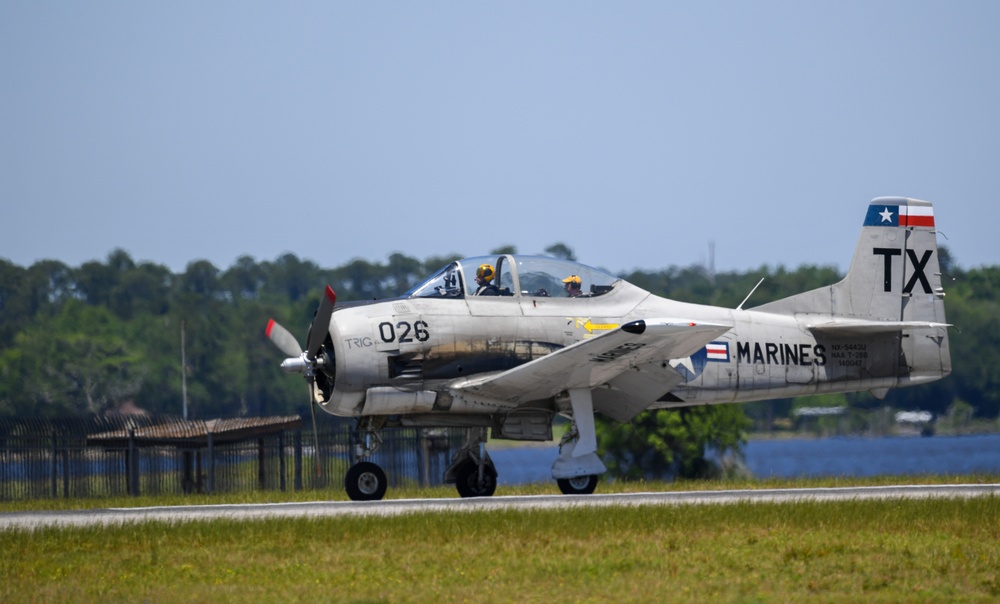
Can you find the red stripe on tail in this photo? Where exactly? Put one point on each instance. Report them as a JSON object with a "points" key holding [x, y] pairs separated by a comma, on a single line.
{"points": [[916, 221]]}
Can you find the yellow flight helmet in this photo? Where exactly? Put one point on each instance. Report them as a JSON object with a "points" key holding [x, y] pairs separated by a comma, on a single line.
{"points": [[574, 280], [485, 272]]}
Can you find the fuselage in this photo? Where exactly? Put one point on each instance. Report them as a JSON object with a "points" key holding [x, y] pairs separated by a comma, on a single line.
{"points": [[399, 356], [499, 345]]}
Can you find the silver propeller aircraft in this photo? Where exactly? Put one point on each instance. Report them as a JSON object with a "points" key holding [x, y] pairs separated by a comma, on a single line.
{"points": [[508, 342]]}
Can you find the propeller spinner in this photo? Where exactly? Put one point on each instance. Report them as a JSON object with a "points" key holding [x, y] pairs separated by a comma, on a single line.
{"points": [[304, 361]]}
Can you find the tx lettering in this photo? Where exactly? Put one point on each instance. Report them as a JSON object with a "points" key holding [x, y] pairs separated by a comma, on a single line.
{"points": [[918, 268], [773, 353]]}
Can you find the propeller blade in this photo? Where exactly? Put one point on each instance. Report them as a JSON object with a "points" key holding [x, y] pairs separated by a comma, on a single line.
{"points": [[283, 339], [321, 323], [306, 364]]}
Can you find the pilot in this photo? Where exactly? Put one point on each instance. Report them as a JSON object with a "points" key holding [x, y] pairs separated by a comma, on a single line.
{"points": [[484, 278], [572, 285]]}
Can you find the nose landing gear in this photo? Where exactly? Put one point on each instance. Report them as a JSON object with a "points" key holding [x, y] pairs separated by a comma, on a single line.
{"points": [[365, 481]]}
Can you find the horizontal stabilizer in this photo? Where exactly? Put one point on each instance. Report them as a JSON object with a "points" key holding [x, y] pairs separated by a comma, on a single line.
{"points": [[859, 327]]}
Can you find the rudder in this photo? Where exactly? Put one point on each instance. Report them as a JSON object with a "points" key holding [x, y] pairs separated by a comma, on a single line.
{"points": [[895, 274]]}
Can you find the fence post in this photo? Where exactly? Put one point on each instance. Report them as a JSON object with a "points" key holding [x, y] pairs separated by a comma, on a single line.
{"points": [[260, 463], [187, 481], [211, 464], [298, 460], [281, 461], [66, 466], [199, 483], [132, 465], [424, 458], [55, 465]]}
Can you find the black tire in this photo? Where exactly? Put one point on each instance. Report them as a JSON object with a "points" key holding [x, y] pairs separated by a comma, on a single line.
{"points": [[467, 480], [365, 481], [581, 485]]}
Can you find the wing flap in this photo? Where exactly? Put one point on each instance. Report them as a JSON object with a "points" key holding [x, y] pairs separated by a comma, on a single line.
{"points": [[595, 361], [631, 392]]}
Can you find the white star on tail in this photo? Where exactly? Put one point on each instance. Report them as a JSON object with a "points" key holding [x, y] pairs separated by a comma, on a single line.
{"points": [[886, 215]]}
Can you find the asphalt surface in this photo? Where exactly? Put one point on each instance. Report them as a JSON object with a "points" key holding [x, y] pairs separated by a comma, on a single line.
{"points": [[120, 516]]}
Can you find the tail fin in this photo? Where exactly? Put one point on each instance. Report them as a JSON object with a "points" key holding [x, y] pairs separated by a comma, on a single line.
{"points": [[895, 275], [893, 285]]}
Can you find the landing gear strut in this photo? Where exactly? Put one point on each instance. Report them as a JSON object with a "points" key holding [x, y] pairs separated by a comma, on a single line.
{"points": [[577, 468], [471, 469]]}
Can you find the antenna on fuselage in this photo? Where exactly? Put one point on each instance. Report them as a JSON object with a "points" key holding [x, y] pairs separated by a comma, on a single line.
{"points": [[740, 307], [711, 262]]}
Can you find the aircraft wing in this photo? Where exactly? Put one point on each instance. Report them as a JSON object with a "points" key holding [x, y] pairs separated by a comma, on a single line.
{"points": [[595, 361]]}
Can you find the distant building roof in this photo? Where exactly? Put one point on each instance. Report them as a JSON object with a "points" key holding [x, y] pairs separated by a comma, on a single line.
{"points": [[914, 417], [194, 433], [813, 411]]}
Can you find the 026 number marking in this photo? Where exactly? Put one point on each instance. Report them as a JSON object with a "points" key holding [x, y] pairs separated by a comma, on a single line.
{"points": [[403, 331]]}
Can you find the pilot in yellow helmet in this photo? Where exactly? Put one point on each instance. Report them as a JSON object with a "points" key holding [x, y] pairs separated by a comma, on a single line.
{"points": [[572, 285], [484, 279]]}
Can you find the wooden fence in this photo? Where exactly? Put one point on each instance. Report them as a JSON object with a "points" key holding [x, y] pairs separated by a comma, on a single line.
{"points": [[129, 455]]}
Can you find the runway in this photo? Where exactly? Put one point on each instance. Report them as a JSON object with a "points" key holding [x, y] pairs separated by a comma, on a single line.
{"points": [[321, 509]]}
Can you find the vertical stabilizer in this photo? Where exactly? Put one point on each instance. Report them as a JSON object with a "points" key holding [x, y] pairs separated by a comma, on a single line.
{"points": [[893, 285], [894, 275]]}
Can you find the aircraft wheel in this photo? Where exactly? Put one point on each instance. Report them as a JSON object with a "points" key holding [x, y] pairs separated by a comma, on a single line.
{"points": [[365, 481], [581, 485], [467, 480]]}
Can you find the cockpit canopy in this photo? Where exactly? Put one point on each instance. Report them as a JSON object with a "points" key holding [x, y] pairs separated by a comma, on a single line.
{"points": [[518, 276]]}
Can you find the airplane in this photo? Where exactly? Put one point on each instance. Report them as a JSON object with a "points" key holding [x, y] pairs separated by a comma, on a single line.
{"points": [[546, 337]]}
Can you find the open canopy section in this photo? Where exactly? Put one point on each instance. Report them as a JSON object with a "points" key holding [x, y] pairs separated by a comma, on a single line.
{"points": [[517, 276]]}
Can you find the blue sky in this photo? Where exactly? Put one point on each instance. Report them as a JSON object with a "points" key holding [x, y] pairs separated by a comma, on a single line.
{"points": [[635, 132]]}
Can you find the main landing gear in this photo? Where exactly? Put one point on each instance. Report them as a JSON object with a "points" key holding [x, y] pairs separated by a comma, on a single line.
{"points": [[471, 468], [471, 471], [581, 485], [577, 468]]}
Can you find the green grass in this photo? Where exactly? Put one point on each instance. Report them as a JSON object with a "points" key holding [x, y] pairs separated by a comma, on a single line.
{"points": [[898, 550], [890, 551]]}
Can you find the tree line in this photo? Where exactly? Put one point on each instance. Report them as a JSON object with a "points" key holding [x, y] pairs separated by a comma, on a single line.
{"points": [[92, 338]]}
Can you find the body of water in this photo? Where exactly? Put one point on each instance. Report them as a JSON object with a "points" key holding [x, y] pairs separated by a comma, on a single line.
{"points": [[789, 458]]}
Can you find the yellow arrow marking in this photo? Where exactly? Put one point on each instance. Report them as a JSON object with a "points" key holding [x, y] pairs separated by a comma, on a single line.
{"points": [[598, 326]]}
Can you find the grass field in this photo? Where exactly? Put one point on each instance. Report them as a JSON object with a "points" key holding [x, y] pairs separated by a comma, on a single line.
{"points": [[901, 550]]}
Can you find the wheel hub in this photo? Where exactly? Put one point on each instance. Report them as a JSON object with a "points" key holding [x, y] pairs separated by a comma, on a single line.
{"points": [[368, 483]]}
